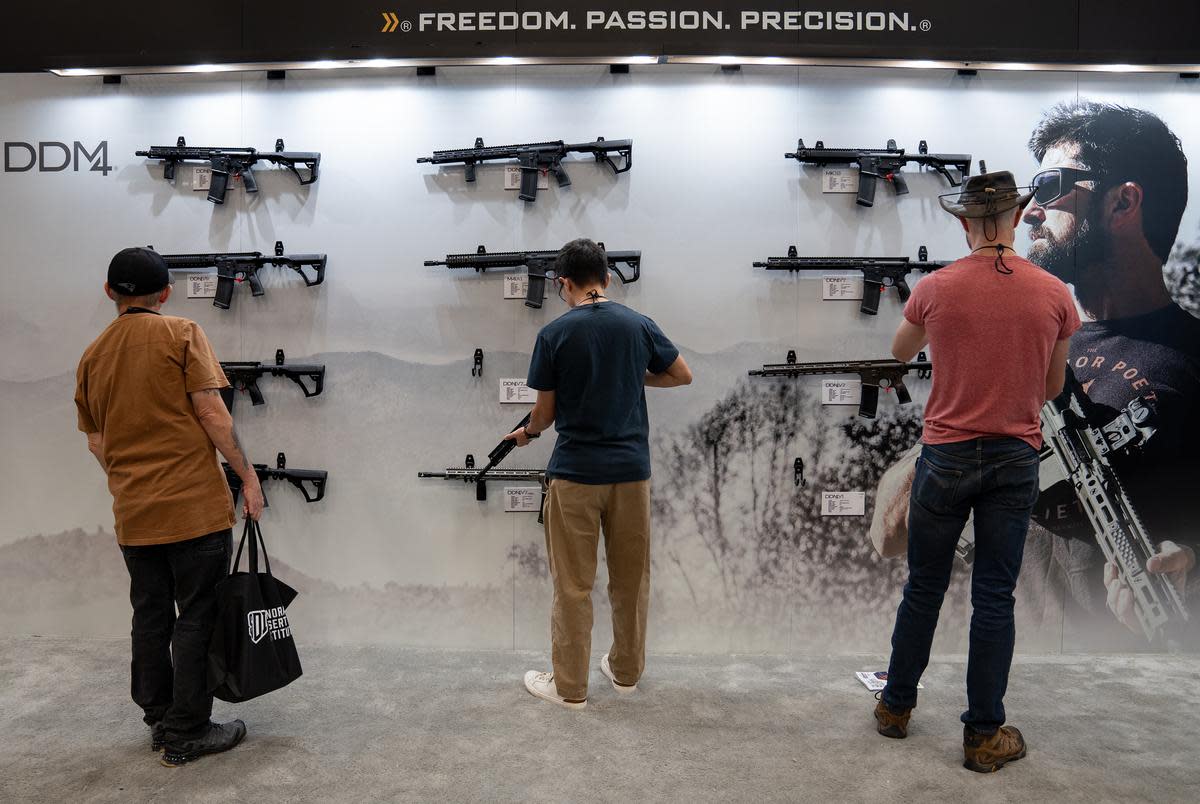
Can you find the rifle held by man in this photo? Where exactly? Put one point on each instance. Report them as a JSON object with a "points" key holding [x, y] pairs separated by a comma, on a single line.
{"points": [[1082, 451]]}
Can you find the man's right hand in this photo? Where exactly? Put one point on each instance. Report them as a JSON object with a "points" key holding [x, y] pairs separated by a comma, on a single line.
{"points": [[252, 502]]}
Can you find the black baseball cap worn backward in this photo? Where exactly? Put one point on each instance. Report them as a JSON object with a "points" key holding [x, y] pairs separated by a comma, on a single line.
{"points": [[138, 272]]}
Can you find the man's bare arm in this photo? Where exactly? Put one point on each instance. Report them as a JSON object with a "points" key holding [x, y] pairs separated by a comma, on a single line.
{"points": [[218, 424], [540, 418], [677, 374], [1056, 372], [910, 339], [95, 442], [889, 521]]}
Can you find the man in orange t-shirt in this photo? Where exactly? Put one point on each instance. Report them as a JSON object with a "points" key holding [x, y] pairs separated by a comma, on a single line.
{"points": [[148, 399], [998, 327]]}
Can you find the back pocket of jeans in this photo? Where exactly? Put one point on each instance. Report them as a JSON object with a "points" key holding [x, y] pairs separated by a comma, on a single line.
{"points": [[935, 487], [1017, 482]]}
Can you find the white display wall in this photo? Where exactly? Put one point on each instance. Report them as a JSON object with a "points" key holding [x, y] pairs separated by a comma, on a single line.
{"points": [[390, 558]]}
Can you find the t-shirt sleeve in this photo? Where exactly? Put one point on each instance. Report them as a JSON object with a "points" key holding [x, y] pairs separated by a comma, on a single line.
{"points": [[201, 369], [86, 423], [1069, 322], [917, 306], [662, 352], [541, 366]]}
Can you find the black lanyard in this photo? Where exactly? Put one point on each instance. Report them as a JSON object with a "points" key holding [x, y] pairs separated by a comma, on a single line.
{"points": [[139, 310]]}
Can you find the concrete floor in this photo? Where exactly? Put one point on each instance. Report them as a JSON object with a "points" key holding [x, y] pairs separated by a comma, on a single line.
{"points": [[388, 724]]}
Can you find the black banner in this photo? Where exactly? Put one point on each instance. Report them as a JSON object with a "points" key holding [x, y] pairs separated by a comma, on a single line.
{"points": [[62, 35]]}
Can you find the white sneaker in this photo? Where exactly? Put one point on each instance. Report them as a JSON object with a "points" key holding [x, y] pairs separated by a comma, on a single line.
{"points": [[541, 685], [606, 669]]}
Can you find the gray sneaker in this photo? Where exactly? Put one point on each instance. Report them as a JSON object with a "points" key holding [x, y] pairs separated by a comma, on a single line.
{"points": [[219, 737]]}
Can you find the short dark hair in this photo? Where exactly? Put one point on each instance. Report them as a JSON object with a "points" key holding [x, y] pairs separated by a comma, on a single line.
{"points": [[582, 261], [1124, 144], [145, 300]]}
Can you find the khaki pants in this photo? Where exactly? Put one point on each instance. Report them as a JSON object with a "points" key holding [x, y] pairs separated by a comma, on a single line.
{"points": [[574, 515]]}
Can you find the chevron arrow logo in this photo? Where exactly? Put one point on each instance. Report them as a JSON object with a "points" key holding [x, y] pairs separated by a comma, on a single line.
{"points": [[390, 22]]}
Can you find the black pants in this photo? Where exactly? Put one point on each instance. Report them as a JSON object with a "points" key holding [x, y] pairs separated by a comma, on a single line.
{"points": [[170, 653]]}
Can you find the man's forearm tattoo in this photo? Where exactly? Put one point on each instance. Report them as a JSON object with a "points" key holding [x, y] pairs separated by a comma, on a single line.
{"points": [[237, 442]]}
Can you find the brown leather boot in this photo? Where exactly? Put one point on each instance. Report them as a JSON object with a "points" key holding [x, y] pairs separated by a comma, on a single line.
{"points": [[987, 753], [891, 722]]}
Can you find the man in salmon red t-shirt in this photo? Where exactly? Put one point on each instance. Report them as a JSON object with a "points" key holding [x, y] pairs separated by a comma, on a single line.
{"points": [[148, 399], [998, 329]]}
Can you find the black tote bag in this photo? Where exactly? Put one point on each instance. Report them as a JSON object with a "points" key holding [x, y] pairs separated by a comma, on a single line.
{"points": [[252, 650]]}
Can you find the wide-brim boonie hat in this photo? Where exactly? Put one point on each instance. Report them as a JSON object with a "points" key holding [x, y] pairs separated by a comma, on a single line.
{"points": [[986, 195]]}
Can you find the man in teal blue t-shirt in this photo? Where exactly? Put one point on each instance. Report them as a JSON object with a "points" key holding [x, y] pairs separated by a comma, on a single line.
{"points": [[590, 368]]}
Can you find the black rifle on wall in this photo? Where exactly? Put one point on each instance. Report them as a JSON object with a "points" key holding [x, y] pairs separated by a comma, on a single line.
{"points": [[874, 374], [878, 272], [244, 376], [303, 479], [536, 158], [883, 163], [244, 265], [539, 264], [228, 162]]}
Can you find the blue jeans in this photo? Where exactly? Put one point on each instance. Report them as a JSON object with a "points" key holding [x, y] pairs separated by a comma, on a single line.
{"points": [[998, 478]]}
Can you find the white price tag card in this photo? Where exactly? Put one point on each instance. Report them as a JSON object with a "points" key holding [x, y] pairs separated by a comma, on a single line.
{"points": [[841, 288], [522, 499], [841, 392], [516, 286], [514, 391], [839, 180], [202, 286], [202, 179], [843, 503], [512, 178]]}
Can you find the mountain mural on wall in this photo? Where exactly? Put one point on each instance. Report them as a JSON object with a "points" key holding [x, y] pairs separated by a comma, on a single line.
{"points": [[743, 561]]}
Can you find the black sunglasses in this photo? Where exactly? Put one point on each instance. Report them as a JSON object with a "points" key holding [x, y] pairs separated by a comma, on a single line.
{"points": [[1051, 185]]}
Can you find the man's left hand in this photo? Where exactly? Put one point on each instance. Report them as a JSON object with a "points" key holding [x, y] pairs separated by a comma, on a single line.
{"points": [[1173, 560]]}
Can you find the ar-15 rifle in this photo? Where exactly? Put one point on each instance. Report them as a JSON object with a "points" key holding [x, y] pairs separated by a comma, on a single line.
{"points": [[232, 161], [1081, 451], [539, 264], [244, 376], [480, 477], [535, 158], [878, 272], [300, 478], [875, 374], [243, 266], [883, 163]]}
